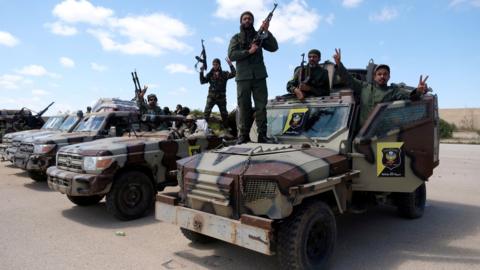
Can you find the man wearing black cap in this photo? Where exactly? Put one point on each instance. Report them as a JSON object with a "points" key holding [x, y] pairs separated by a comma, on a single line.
{"points": [[373, 93], [251, 75], [217, 91], [315, 78]]}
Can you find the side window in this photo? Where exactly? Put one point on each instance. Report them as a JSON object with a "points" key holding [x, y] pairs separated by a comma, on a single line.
{"points": [[395, 116]]}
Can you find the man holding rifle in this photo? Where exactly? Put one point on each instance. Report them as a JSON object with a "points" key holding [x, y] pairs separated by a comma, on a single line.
{"points": [[246, 49], [311, 80]]}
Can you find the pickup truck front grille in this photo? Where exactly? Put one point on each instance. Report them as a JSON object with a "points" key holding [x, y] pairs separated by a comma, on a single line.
{"points": [[257, 189], [69, 162], [26, 148]]}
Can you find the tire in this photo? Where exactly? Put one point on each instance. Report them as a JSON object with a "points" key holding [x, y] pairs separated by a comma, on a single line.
{"points": [[411, 205], [85, 200], [297, 248], [197, 238], [131, 197], [37, 177]]}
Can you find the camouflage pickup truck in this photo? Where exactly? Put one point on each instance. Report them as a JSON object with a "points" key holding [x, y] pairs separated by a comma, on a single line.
{"points": [[128, 170], [282, 198], [41, 153], [11, 141]]}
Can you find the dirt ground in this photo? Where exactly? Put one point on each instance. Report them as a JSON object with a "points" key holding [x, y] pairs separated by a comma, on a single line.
{"points": [[42, 229]]}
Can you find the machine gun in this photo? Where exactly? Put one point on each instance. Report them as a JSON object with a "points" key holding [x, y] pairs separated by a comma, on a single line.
{"points": [[40, 113], [202, 58], [303, 75], [136, 82], [263, 33]]}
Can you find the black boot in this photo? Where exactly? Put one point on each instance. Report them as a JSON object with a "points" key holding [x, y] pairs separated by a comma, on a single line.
{"points": [[262, 138], [243, 139]]}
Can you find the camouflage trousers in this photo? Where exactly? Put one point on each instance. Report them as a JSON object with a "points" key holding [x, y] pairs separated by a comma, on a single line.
{"points": [[245, 90], [219, 99]]}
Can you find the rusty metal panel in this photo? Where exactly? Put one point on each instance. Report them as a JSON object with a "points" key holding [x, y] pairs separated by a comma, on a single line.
{"points": [[228, 230]]}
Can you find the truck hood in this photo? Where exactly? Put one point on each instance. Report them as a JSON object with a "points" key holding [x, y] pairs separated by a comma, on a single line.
{"points": [[112, 146], [30, 138], [283, 163], [21, 134], [66, 138]]}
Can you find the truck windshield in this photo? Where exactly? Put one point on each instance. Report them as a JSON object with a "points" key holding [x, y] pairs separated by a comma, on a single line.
{"points": [[68, 123], [93, 123], [53, 122], [318, 122]]}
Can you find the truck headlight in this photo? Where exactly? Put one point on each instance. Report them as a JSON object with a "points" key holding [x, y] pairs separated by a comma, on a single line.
{"points": [[43, 148], [96, 163]]}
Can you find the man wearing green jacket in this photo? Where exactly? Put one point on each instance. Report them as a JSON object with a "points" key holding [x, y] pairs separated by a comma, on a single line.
{"points": [[377, 92], [251, 75], [314, 81]]}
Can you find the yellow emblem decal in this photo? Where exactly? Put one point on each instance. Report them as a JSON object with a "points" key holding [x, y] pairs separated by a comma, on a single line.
{"points": [[390, 159], [193, 150], [295, 120]]}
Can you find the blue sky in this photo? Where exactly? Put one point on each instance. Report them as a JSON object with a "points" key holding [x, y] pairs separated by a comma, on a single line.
{"points": [[75, 51]]}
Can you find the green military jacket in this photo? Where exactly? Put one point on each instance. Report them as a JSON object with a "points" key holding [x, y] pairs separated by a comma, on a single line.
{"points": [[218, 85], [250, 66], [371, 94], [317, 79], [147, 109]]}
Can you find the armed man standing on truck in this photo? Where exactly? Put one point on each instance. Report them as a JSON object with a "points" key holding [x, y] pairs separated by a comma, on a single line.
{"points": [[311, 80], [151, 107], [218, 87], [246, 49], [373, 93]]}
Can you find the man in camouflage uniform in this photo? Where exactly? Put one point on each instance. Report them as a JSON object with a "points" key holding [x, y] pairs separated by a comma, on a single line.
{"points": [[316, 81], [151, 107], [251, 75], [370, 94], [217, 91]]}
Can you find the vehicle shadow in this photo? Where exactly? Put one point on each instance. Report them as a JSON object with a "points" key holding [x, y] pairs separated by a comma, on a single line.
{"points": [[38, 186], [98, 217], [378, 239], [21, 173]]}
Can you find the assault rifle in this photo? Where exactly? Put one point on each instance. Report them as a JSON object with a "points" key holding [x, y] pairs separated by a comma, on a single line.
{"points": [[263, 33], [202, 58], [302, 76]]}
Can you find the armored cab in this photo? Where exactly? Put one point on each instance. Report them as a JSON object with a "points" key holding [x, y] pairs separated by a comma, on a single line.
{"points": [[281, 198]]}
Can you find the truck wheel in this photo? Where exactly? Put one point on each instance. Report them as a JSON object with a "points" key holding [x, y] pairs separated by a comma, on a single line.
{"points": [[131, 197], [197, 238], [306, 239], [37, 177], [411, 205], [85, 200]]}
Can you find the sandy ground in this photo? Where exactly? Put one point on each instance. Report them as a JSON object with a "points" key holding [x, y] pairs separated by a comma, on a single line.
{"points": [[41, 229]]}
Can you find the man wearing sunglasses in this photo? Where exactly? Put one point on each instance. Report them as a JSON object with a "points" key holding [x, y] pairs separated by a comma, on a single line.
{"points": [[151, 106]]}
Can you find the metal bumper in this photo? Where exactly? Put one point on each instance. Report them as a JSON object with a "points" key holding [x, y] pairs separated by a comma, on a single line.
{"points": [[20, 160], [39, 163], [78, 184], [10, 152], [250, 232]]}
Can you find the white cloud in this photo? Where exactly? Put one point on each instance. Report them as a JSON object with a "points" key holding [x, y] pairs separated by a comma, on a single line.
{"points": [[67, 62], [351, 3], [98, 67], [40, 92], [8, 39], [37, 71], [77, 11], [386, 14], [9, 81], [218, 40], [151, 34], [61, 29], [179, 68], [475, 3], [294, 21]]}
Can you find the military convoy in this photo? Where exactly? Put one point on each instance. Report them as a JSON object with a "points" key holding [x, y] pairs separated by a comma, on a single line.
{"points": [[282, 198], [276, 198]]}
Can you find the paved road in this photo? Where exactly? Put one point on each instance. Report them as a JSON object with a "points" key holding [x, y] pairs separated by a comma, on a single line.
{"points": [[41, 229]]}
